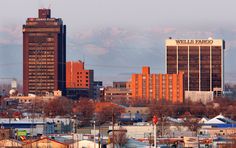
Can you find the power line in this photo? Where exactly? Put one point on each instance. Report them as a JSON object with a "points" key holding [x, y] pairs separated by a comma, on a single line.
{"points": [[118, 66], [110, 66], [94, 65]]}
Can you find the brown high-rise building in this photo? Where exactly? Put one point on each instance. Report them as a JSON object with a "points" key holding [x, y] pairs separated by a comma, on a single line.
{"points": [[44, 54], [202, 62]]}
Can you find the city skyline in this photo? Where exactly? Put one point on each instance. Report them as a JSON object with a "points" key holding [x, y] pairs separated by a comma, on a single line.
{"points": [[117, 73], [133, 35]]}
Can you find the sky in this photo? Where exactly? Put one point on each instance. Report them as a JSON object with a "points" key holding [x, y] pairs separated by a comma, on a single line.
{"points": [[117, 37]]}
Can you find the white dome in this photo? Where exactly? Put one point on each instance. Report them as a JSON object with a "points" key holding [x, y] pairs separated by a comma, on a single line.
{"points": [[12, 92]]}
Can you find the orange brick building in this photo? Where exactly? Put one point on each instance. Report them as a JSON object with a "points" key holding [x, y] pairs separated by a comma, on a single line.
{"points": [[78, 79], [77, 76], [157, 86]]}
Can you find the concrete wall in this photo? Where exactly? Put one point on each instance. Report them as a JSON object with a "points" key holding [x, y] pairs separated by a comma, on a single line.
{"points": [[199, 96]]}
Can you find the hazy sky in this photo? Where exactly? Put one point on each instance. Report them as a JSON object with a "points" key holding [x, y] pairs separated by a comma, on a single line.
{"points": [[118, 37]]}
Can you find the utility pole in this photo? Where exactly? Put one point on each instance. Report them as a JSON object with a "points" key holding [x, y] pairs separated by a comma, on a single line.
{"points": [[75, 124], [94, 128], [162, 122], [113, 131], [99, 136], [150, 143]]}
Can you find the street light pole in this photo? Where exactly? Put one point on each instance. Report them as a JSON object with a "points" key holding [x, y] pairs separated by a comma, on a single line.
{"points": [[94, 134], [155, 135], [155, 120]]}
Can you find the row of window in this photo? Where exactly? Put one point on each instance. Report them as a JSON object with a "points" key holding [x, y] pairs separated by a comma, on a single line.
{"points": [[82, 85], [82, 73], [40, 62]]}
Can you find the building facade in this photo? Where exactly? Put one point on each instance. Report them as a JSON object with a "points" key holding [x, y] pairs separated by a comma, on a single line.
{"points": [[202, 62], [98, 90], [111, 93], [166, 87], [121, 84], [119, 91], [44, 54], [79, 81]]}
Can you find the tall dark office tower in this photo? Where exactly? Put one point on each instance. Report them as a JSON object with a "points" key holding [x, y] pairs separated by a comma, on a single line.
{"points": [[44, 54], [202, 62]]}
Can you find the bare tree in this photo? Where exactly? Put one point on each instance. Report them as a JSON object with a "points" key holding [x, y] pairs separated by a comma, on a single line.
{"points": [[84, 108], [191, 122], [161, 109], [104, 112], [120, 137], [60, 106]]}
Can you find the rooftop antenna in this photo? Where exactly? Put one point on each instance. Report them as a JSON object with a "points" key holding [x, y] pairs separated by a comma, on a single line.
{"points": [[83, 59], [49, 6], [40, 4]]}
